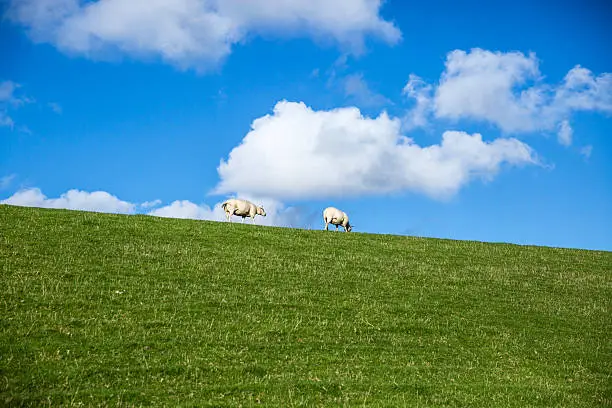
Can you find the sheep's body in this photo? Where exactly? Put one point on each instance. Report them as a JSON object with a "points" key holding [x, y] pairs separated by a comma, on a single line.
{"points": [[241, 208], [336, 217]]}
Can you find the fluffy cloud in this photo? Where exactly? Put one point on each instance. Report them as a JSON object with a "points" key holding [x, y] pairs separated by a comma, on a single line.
{"points": [[581, 90], [299, 153], [194, 32], [187, 209], [507, 89], [277, 214], [480, 84], [99, 201]]}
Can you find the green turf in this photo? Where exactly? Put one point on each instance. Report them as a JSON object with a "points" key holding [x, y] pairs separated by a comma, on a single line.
{"points": [[101, 310]]}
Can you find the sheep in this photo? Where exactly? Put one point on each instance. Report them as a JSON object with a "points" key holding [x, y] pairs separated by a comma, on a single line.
{"points": [[336, 217], [241, 208]]}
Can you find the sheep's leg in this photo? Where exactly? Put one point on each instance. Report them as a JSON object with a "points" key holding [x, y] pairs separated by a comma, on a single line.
{"points": [[326, 224], [336, 227], [229, 213], [253, 219], [242, 220]]}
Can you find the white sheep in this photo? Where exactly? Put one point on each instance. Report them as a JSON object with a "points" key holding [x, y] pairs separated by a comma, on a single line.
{"points": [[336, 217], [241, 208]]}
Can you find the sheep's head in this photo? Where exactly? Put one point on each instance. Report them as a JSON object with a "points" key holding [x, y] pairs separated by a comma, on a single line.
{"points": [[349, 228], [261, 211]]}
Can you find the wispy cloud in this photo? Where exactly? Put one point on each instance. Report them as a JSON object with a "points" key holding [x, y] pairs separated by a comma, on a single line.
{"points": [[7, 91], [9, 101], [221, 97], [12, 99], [55, 107], [565, 133], [357, 91], [6, 120], [353, 86], [151, 204], [24, 129], [586, 151], [418, 90], [6, 181]]}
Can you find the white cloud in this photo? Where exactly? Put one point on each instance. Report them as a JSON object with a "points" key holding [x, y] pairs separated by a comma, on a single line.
{"points": [[298, 153], [99, 201], [581, 90], [187, 209], [480, 85], [565, 133], [277, 214], [507, 90], [195, 33]]}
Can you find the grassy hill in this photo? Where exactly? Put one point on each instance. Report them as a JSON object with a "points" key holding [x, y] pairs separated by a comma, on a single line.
{"points": [[100, 309]]}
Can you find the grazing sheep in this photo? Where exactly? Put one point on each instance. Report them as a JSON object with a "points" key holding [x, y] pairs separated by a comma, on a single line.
{"points": [[241, 208], [336, 217]]}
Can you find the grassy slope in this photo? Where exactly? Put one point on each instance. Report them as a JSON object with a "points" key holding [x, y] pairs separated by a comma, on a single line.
{"points": [[104, 309]]}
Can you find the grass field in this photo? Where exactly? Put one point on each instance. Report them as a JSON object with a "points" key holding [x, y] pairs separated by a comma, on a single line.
{"points": [[100, 309]]}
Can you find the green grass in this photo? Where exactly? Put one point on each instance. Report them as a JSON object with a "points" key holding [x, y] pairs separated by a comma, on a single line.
{"points": [[101, 310]]}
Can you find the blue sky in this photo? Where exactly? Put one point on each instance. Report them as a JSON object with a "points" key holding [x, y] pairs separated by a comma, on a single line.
{"points": [[465, 121]]}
